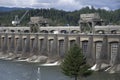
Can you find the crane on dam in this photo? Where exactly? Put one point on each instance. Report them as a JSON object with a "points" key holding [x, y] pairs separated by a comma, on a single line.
{"points": [[17, 21]]}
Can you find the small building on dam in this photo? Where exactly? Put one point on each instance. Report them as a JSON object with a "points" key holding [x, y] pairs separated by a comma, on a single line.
{"points": [[100, 43]]}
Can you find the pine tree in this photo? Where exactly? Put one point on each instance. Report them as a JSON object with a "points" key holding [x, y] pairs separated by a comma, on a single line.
{"points": [[74, 63]]}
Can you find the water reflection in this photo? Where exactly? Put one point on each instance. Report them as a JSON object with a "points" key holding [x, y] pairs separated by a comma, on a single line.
{"points": [[26, 71], [16, 71]]}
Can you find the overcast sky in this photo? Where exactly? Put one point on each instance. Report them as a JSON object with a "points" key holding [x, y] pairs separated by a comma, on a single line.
{"points": [[68, 5]]}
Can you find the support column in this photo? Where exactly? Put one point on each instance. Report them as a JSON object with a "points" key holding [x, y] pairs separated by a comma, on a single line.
{"points": [[5, 43], [35, 46], [78, 40], [44, 50], [18, 48], [0, 42], [66, 43], [26, 49], [89, 53], [55, 46], [12, 45]]}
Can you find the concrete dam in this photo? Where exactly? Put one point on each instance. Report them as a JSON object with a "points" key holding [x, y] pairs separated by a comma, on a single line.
{"points": [[100, 44], [52, 47]]}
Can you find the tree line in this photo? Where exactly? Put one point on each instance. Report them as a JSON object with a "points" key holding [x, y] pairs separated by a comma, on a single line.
{"points": [[60, 17]]}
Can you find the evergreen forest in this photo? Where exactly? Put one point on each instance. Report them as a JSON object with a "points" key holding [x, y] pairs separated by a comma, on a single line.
{"points": [[59, 17]]}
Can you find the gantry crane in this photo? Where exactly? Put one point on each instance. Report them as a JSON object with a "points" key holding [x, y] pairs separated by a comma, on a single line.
{"points": [[17, 21]]}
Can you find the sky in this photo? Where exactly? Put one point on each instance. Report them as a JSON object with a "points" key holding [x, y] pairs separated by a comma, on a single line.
{"points": [[67, 5]]}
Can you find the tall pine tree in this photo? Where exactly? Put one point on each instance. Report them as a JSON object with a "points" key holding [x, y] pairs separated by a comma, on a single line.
{"points": [[74, 64]]}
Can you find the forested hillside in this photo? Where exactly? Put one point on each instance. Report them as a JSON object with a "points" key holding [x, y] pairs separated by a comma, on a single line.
{"points": [[59, 17]]}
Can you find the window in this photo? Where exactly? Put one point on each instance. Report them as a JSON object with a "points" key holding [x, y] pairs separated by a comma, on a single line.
{"points": [[12, 30], [50, 45], [24, 42], [98, 49], [16, 41], [63, 31], [9, 42], [32, 42], [26, 31], [19, 30], [100, 31], [44, 31], [41, 42], [3, 40], [52, 31], [114, 48], [114, 31], [61, 48], [74, 31], [84, 47], [72, 42]]}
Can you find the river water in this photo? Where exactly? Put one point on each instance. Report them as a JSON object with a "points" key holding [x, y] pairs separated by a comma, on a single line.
{"points": [[10, 70]]}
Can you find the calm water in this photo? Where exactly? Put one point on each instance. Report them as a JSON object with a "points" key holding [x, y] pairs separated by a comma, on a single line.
{"points": [[26, 71]]}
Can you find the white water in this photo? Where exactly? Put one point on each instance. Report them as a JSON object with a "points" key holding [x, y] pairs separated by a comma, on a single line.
{"points": [[94, 67], [51, 64]]}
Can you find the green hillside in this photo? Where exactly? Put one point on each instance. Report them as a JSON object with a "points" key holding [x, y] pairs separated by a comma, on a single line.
{"points": [[59, 17]]}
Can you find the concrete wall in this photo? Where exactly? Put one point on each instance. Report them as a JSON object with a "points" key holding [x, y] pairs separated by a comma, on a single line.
{"points": [[49, 29], [56, 45]]}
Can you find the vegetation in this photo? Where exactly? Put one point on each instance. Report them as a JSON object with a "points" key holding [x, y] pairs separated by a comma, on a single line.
{"points": [[60, 17], [34, 29], [74, 63]]}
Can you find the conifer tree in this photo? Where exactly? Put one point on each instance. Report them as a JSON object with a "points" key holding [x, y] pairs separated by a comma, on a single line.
{"points": [[74, 64]]}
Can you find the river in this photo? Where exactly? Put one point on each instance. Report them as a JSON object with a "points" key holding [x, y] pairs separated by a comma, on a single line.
{"points": [[10, 70]]}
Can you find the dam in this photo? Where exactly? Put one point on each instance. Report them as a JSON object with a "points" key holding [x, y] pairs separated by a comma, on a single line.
{"points": [[100, 44]]}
